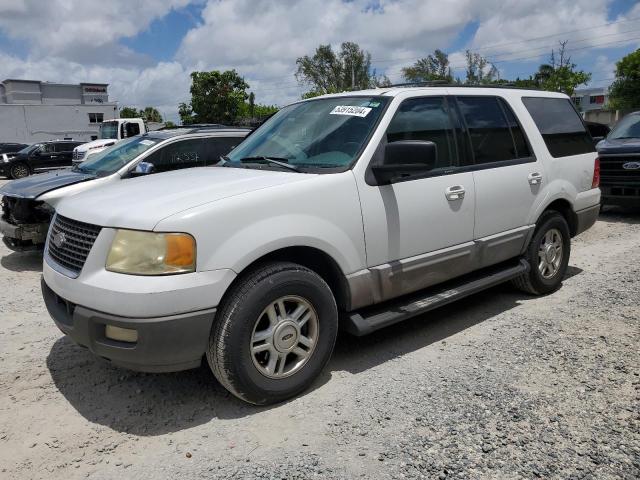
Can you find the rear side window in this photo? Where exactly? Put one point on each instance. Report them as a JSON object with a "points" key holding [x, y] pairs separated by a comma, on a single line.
{"points": [[133, 129], [219, 146], [181, 154], [560, 125], [425, 118], [495, 133]]}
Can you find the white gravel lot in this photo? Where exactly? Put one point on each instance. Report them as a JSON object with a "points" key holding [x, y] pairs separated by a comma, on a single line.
{"points": [[501, 385]]}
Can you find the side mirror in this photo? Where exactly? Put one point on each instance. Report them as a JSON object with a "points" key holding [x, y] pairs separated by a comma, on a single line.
{"points": [[405, 159], [597, 139], [143, 168]]}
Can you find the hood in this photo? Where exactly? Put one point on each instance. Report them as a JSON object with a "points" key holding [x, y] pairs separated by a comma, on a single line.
{"points": [[95, 144], [622, 145], [35, 185], [140, 203]]}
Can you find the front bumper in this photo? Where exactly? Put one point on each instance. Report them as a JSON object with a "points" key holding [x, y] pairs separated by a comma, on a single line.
{"points": [[623, 195], [31, 236], [164, 344]]}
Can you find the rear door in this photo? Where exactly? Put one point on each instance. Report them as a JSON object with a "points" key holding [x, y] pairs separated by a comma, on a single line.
{"points": [[64, 153], [507, 176]]}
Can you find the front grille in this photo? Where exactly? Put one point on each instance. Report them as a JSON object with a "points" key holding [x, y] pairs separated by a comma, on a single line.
{"points": [[70, 242], [613, 172]]}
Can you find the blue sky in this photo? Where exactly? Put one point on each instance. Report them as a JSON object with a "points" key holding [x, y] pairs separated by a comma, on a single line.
{"points": [[146, 49]]}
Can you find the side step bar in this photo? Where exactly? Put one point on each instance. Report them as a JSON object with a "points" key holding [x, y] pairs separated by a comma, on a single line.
{"points": [[373, 318]]}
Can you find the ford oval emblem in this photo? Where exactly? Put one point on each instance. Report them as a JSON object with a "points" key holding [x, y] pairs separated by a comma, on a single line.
{"points": [[631, 166], [59, 239]]}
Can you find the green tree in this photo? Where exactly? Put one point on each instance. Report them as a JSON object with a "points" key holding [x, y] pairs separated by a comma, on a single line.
{"points": [[216, 97], [129, 112], [330, 72], [185, 112], [169, 124], [560, 75], [433, 67], [625, 90], [479, 70], [151, 114]]}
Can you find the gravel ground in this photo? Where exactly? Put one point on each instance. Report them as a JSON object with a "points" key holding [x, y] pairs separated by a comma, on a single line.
{"points": [[501, 385]]}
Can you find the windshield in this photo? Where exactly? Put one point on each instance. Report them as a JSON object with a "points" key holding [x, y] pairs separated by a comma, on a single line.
{"points": [[114, 158], [30, 148], [628, 127], [323, 133], [109, 130]]}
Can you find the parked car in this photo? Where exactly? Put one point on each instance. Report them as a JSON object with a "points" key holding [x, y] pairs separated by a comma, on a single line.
{"points": [[38, 157], [11, 148], [361, 209], [28, 204], [597, 130], [111, 132], [620, 163]]}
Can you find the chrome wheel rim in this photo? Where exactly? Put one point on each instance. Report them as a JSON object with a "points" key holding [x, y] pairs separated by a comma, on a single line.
{"points": [[550, 253], [20, 171], [284, 337]]}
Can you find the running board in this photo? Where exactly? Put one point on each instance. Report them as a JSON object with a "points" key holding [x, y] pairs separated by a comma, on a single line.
{"points": [[373, 318]]}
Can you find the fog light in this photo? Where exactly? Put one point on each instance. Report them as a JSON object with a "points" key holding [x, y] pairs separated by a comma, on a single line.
{"points": [[121, 334]]}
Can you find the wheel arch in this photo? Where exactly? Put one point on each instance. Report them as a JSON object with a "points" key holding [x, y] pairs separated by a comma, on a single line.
{"points": [[314, 259], [564, 208]]}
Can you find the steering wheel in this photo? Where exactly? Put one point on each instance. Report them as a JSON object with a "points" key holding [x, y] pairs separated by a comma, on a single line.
{"points": [[294, 150]]}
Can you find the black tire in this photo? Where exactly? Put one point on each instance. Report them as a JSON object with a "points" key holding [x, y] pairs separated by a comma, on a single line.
{"points": [[20, 170], [229, 354], [533, 282]]}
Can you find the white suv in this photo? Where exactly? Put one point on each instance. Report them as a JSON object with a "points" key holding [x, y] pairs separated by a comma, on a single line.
{"points": [[359, 209]]}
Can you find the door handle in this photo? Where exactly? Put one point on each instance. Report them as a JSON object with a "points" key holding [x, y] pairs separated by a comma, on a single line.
{"points": [[535, 178], [455, 192]]}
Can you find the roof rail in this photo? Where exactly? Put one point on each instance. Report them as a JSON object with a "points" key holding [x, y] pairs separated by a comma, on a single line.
{"points": [[444, 83]]}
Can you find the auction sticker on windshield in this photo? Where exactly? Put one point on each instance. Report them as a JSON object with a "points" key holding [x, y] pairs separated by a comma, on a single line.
{"points": [[350, 110], [147, 142]]}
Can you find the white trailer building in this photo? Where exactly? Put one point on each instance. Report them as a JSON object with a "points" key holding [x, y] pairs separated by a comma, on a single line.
{"points": [[33, 111]]}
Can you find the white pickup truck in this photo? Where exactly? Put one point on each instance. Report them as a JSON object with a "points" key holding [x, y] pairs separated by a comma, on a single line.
{"points": [[111, 132], [356, 210]]}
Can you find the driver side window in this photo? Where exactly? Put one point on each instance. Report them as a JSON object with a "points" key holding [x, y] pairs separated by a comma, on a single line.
{"points": [[425, 118], [181, 154]]}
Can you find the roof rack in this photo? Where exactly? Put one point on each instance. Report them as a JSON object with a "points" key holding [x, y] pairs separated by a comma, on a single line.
{"points": [[444, 83]]}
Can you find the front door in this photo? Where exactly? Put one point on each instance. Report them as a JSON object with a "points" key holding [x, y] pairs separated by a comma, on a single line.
{"points": [[45, 158], [420, 232]]}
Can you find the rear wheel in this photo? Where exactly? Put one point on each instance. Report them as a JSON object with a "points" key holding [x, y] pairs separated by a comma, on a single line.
{"points": [[19, 170], [274, 333], [547, 254]]}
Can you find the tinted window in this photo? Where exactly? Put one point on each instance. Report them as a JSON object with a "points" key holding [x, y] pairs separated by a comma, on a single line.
{"points": [[560, 125], [221, 146], [522, 147], [491, 138], [133, 129], [182, 154], [47, 148], [628, 127], [425, 118]]}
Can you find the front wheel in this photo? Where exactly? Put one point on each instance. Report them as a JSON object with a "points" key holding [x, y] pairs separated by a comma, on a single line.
{"points": [[19, 170], [547, 254], [274, 333]]}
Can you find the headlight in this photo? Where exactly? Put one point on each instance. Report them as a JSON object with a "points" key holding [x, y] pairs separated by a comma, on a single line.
{"points": [[150, 253]]}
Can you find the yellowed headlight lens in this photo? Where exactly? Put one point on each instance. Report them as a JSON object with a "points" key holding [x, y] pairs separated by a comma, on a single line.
{"points": [[150, 253]]}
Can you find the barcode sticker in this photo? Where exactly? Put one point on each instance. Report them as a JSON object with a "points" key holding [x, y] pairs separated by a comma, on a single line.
{"points": [[350, 110]]}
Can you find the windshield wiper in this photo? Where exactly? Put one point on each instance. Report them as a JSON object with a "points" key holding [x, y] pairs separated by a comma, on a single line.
{"points": [[280, 161]]}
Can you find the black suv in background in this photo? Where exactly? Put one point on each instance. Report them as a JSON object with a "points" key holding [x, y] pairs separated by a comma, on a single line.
{"points": [[619, 156], [41, 156], [11, 148]]}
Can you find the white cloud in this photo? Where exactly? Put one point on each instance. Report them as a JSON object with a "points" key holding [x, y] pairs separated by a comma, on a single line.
{"points": [[78, 40]]}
